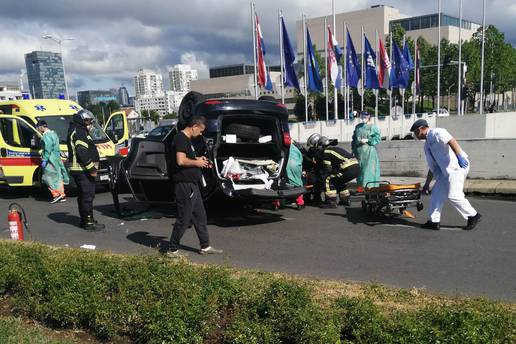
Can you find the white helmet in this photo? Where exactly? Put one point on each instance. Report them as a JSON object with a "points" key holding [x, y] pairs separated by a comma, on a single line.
{"points": [[313, 140]]}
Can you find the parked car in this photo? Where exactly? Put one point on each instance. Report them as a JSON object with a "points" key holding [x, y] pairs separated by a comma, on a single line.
{"points": [[442, 112], [159, 132], [247, 140]]}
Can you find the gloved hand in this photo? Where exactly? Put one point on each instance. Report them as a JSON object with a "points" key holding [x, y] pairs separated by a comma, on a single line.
{"points": [[463, 162], [426, 189], [44, 163], [364, 141]]}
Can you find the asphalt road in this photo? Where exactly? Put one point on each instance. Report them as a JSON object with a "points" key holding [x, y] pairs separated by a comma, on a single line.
{"points": [[341, 244]]}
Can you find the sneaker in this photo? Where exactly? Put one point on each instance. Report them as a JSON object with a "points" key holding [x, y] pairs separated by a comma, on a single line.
{"points": [[56, 199], [209, 250], [63, 199], [431, 225], [473, 221]]}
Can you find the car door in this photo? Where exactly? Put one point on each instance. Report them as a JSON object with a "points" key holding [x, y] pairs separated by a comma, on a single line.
{"points": [[19, 151]]}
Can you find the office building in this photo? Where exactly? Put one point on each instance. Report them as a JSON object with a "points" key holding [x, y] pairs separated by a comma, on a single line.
{"points": [[93, 97], [158, 103], [180, 77], [381, 19], [45, 74], [237, 69]]}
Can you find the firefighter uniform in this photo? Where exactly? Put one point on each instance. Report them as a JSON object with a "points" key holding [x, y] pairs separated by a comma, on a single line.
{"points": [[337, 167], [83, 159]]}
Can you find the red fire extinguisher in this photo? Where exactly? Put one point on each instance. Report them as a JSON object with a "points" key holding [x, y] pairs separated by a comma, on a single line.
{"points": [[17, 220]]}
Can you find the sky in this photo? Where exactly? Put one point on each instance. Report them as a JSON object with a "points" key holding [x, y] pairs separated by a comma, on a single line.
{"points": [[113, 39]]}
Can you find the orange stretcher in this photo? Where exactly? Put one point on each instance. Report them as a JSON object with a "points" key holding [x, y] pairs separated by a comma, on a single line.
{"points": [[387, 198]]}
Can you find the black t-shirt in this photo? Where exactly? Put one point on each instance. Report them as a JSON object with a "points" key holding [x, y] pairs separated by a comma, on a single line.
{"points": [[182, 174]]}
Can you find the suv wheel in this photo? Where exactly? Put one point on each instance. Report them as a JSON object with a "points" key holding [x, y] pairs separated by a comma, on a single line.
{"points": [[187, 105], [244, 131]]}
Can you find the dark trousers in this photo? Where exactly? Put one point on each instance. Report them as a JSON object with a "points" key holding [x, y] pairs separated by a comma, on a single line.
{"points": [[336, 182], [190, 210], [86, 193]]}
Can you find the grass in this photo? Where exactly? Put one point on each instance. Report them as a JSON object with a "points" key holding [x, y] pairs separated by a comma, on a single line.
{"points": [[157, 300]]}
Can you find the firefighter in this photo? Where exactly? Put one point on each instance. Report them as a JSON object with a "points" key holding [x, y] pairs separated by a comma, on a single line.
{"points": [[337, 167], [83, 158]]}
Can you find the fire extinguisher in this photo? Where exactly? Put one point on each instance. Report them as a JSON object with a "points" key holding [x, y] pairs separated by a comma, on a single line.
{"points": [[17, 220]]}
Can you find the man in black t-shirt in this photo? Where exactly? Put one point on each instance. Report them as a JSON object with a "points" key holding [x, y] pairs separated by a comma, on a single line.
{"points": [[187, 174]]}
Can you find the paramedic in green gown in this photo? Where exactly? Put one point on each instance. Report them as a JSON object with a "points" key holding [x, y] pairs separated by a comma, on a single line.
{"points": [[365, 138], [54, 175]]}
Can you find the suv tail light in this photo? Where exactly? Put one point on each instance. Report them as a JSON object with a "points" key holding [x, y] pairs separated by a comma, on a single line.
{"points": [[212, 102], [287, 140]]}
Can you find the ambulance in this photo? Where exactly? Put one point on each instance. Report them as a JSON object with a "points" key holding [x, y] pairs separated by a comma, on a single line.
{"points": [[20, 151], [123, 125]]}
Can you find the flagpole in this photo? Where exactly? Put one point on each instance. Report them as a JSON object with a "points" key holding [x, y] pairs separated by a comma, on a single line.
{"points": [[335, 92], [282, 58], [402, 91], [345, 72], [362, 73], [459, 82], [306, 72], [254, 51], [326, 64], [378, 90], [482, 60], [416, 65], [389, 76], [438, 57]]}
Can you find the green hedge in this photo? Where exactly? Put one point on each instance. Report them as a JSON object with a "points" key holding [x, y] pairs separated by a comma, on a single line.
{"points": [[155, 300]]}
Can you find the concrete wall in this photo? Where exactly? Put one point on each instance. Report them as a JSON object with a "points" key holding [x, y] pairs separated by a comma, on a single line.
{"points": [[491, 125], [490, 158]]}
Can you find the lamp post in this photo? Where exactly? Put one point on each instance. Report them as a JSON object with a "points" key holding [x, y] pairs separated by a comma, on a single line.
{"points": [[60, 41]]}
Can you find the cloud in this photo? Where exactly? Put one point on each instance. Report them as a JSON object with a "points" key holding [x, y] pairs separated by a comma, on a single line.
{"points": [[113, 39]]}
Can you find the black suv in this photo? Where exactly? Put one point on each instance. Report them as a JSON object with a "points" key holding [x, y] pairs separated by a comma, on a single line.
{"points": [[254, 133]]}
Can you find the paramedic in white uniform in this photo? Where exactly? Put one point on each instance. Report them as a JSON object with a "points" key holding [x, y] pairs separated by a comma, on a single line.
{"points": [[448, 165]]}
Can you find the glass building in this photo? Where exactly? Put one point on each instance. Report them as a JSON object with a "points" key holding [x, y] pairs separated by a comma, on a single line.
{"points": [[45, 74], [431, 20], [91, 97]]}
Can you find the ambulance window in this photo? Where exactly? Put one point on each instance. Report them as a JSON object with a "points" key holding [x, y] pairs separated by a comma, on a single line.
{"points": [[17, 134], [115, 130]]}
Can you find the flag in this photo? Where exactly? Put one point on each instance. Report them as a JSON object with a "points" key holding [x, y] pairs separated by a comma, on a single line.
{"points": [[314, 79], [408, 57], [289, 78], [399, 77], [352, 65], [264, 79], [384, 68], [333, 58], [371, 76]]}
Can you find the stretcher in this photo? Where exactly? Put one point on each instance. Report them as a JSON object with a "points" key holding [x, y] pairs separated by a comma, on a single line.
{"points": [[388, 198]]}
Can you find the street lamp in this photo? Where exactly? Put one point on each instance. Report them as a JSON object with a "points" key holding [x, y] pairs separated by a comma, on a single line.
{"points": [[60, 41]]}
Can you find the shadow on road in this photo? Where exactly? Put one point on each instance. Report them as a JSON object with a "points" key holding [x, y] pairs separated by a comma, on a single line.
{"points": [[357, 215], [62, 217], [153, 241]]}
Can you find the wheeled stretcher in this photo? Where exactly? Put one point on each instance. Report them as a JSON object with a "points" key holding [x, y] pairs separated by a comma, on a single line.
{"points": [[387, 198]]}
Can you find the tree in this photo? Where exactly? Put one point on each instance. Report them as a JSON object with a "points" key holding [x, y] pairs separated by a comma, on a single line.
{"points": [[151, 115]]}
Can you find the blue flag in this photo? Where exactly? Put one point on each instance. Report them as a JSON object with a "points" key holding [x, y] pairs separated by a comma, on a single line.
{"points": [[352, 65], [290, 78], [400, 73], [408, 56], [314, 79], [371, 76]]}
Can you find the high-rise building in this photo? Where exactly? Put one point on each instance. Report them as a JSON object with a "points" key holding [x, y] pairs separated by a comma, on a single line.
{"points": [[45, 74], [148, 83], [180, 77], [123, 96]]}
